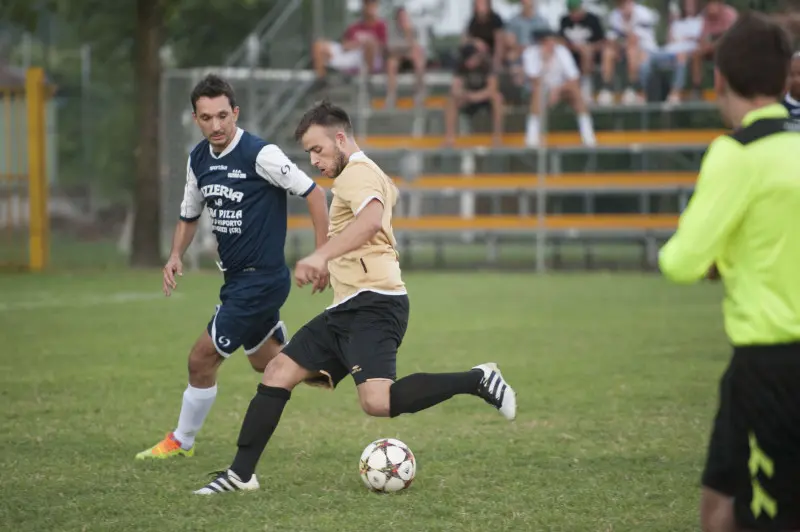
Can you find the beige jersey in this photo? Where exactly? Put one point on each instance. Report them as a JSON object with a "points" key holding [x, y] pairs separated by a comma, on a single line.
{"points": [[375, 266]]}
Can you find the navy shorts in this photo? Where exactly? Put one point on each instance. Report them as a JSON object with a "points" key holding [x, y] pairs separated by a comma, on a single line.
{"points": [[249, 312], [359, 337]]}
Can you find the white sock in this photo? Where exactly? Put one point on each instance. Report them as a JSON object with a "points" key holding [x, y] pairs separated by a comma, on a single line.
{"points": [[587, 129], [197, 404], [532, 131]]}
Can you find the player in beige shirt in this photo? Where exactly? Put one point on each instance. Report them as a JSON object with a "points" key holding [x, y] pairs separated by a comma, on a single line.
{"points": [[361, 331]]}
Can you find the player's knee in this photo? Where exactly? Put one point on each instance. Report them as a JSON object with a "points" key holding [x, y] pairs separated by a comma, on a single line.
{"points": [[375, 406], [716, 512], [283, 372], [258, 366], [203, 363]]}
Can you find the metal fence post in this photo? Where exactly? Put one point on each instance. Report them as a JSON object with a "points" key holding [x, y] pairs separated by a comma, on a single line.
{"points": [[541, 188]]}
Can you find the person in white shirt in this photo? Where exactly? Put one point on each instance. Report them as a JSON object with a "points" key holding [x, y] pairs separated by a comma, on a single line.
{"points": [[551, 68], [684, 34], [631, 36]]}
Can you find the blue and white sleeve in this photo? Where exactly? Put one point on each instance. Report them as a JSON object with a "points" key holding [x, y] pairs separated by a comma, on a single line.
{"points": [[193, 200], [275, 167]]}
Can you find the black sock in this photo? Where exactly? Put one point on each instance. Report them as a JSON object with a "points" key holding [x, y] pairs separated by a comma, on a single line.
{"points": [[259, 423], [419, 391]]}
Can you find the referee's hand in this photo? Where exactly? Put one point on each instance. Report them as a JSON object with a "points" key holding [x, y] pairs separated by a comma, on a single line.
{"points": [[713, 273]]}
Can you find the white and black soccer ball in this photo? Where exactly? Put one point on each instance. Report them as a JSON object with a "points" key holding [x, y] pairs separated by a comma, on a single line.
{"points": [[387, 465]]}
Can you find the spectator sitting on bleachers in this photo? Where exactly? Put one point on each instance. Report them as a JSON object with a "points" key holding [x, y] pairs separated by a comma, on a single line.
{"points": [[518, 36], [631, 36], [525, 24], [792, 98], [717, 18], [475, 87], [552, 69], [363, 43], [583, 34], [403, 49], [684, 33], [485, 31]]}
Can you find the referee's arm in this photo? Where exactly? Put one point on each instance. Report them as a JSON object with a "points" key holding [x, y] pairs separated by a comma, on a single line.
{"points": [[722, 194]]}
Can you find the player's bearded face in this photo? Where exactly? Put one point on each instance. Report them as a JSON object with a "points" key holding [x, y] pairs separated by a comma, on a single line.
{"points": [[325, 149], [340, 162]]}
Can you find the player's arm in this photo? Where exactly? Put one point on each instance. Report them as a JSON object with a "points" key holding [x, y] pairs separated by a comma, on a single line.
{"points": [[366, 224], [722, 195], [191, 209], [275, 167]]}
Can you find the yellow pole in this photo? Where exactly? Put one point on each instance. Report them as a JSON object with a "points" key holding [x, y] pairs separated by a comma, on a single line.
{"points": [[37, 182]]}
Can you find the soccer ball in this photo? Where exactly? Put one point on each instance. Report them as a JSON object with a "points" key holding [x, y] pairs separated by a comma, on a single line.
{"points": [[387, 465]]}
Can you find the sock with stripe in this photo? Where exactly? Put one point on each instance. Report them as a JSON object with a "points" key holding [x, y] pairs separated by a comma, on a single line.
{"points": [[419, 391], [197, 403], [259, 423]]}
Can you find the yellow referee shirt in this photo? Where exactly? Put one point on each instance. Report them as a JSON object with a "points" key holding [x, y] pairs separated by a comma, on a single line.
{"points": [[745, 217]]}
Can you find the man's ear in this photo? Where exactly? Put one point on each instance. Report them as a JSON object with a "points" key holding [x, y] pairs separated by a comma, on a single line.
{"points": [[341, 139]]}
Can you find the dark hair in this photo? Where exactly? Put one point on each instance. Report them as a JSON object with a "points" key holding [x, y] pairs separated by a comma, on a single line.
{"points": [[324, 114], [212, 86], [754, 56]]}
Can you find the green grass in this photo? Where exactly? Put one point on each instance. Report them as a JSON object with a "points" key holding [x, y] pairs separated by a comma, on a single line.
{"points": [[616, 377]]}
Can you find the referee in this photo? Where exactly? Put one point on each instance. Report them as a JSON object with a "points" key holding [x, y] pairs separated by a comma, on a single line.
{"points": [[743, 222]]}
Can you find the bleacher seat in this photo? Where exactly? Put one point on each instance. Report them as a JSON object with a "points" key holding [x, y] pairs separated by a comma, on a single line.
{"points": [[555, 139]]}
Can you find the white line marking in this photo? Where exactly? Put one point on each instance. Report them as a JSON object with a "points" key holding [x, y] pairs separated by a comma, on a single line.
{"points": [[90, 301]]}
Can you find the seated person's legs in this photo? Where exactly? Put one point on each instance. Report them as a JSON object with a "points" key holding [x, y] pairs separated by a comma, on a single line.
{"points": [[454, 103], [611, 55], [704, 52], [678, 78], [571, 93], [635, 57]]}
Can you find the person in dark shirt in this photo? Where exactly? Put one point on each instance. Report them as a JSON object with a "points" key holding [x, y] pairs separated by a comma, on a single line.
{"points": [[583, 34], [475, 87], [485, 30]]}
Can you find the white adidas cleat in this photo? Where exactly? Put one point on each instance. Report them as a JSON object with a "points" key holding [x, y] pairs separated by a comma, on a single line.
{"points": [[495, 390], [225, 481]]}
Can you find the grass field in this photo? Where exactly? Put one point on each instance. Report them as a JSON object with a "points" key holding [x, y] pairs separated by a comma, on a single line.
{"points": [[616, 376]]}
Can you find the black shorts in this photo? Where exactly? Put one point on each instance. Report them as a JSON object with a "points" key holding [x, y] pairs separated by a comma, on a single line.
{"points": [[472, 108], [754, 452], [360, 337], [597, 59]]}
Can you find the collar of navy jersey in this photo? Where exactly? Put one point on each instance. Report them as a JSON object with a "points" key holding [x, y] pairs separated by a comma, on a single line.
{"points": [[236, 138], [791, 101], [773, 110]]}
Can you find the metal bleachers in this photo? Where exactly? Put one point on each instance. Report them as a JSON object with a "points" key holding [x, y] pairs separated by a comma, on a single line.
{"points": [[627, 190]]}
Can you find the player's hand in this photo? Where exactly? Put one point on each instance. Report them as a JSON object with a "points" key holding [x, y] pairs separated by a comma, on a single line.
{"points": [[713, 273], [310, 270], [322, 282], [173, 267]]}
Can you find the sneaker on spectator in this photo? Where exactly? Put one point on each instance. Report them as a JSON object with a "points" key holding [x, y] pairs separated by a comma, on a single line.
{"points": [[629, 97], [605, 97]]}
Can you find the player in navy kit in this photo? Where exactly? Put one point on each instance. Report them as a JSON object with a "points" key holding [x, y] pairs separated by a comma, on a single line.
{"points": [[791, 99], [243, 181]]}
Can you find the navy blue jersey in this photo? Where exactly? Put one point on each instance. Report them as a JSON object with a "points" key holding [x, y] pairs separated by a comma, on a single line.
{"points": [[792, 105], [245, 189]]}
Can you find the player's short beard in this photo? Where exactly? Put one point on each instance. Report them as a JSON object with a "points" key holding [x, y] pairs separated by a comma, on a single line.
{"points": [[341, 162]]}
